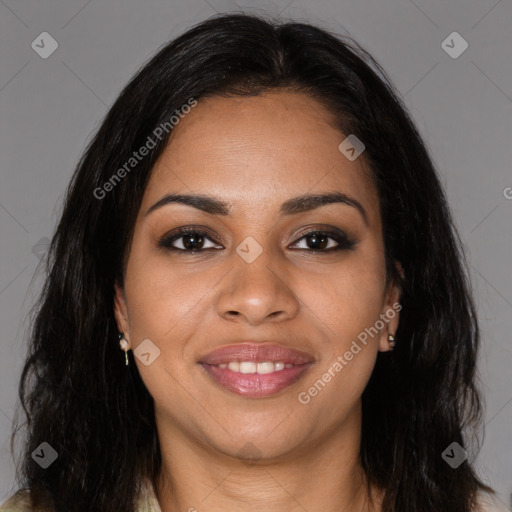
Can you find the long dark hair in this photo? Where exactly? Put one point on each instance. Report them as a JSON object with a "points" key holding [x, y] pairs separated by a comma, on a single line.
{"points": [[75, 389]]}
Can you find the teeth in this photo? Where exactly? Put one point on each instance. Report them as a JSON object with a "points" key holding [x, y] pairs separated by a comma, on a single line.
{"points": [[265, 367], [253, 367], [234, 366], [248, 367]]}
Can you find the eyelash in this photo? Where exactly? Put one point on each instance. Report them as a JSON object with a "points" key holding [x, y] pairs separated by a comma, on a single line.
{"points": [[344, 242]]}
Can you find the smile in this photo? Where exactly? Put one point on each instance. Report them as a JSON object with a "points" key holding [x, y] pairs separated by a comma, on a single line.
{"points": [[252, 367], [256, 370]]}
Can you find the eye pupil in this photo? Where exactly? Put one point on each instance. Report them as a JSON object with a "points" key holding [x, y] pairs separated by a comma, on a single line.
{"points": [[191, 240], [318, 241]]}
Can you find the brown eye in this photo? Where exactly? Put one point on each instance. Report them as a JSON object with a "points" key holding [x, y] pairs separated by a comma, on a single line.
{"points": [[191, 240], [324, 241]]}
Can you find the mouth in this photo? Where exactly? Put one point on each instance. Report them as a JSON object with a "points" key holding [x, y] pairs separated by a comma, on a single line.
{"points": [[256, 370]]}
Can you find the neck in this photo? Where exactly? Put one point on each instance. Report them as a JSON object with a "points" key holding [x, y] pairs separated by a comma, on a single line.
{"points": [[325, 475]]}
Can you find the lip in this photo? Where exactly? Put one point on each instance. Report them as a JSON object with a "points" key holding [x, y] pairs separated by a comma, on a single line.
{"points": [[254, 385], [256, 352]]}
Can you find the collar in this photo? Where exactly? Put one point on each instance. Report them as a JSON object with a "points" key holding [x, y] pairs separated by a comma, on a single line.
{"points": [[148, 501]]}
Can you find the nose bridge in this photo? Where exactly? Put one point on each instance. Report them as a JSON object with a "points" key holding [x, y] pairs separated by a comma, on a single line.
{"points": [[255, 289]]}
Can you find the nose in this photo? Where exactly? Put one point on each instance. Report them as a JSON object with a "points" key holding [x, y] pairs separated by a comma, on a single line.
{"points": [[256, 292]]}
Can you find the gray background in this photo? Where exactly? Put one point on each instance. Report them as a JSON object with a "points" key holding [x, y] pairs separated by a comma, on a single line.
{"points": [[463, 107]]}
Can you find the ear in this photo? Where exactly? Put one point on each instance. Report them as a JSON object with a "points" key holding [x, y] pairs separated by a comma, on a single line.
{"points": [[121, 311], [391, 312]]}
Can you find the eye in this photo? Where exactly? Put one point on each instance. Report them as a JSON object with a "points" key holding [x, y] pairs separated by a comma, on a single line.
{"points": [[325, 241], [193, 240], [189, 240]]}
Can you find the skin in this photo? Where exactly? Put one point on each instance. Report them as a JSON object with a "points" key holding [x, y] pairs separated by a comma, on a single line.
{"points": [[255, 153]]}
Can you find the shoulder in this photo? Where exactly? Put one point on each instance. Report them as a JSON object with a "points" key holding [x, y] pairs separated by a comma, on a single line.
{"points": [[19, 502], [489, 503]]}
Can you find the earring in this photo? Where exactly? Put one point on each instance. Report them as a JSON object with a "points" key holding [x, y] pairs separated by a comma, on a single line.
{"points": [[391, 340], [124, 346]]}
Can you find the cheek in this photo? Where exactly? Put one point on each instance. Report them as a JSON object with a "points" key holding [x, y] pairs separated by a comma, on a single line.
{"points": [[348, 299], [165, 307], [163, 299], [349, 304]]}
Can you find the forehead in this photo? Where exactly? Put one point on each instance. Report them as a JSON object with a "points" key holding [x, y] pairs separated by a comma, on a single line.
{"points": [[256, 151]]}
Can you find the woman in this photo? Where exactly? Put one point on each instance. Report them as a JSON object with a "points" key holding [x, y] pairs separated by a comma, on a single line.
{"points": [[259, 227]]}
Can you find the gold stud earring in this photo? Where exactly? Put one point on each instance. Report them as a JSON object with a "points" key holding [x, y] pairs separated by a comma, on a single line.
{"points": [[124, 346], [391, 340]]}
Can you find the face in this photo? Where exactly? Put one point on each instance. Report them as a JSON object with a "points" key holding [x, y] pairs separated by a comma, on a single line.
{"points": [[311, 279]]}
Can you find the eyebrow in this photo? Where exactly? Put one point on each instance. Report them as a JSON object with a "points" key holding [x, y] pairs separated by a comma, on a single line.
{"points": [[214, 206]]}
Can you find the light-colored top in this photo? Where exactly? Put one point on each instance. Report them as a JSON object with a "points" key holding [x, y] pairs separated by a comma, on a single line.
{"points": [[149, 503]]}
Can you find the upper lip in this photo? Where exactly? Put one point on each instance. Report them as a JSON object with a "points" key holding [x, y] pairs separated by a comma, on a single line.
{"points": [[248, 351]]}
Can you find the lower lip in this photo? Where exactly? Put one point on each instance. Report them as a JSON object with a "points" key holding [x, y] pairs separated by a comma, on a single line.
{"points": [[255, 385]]}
